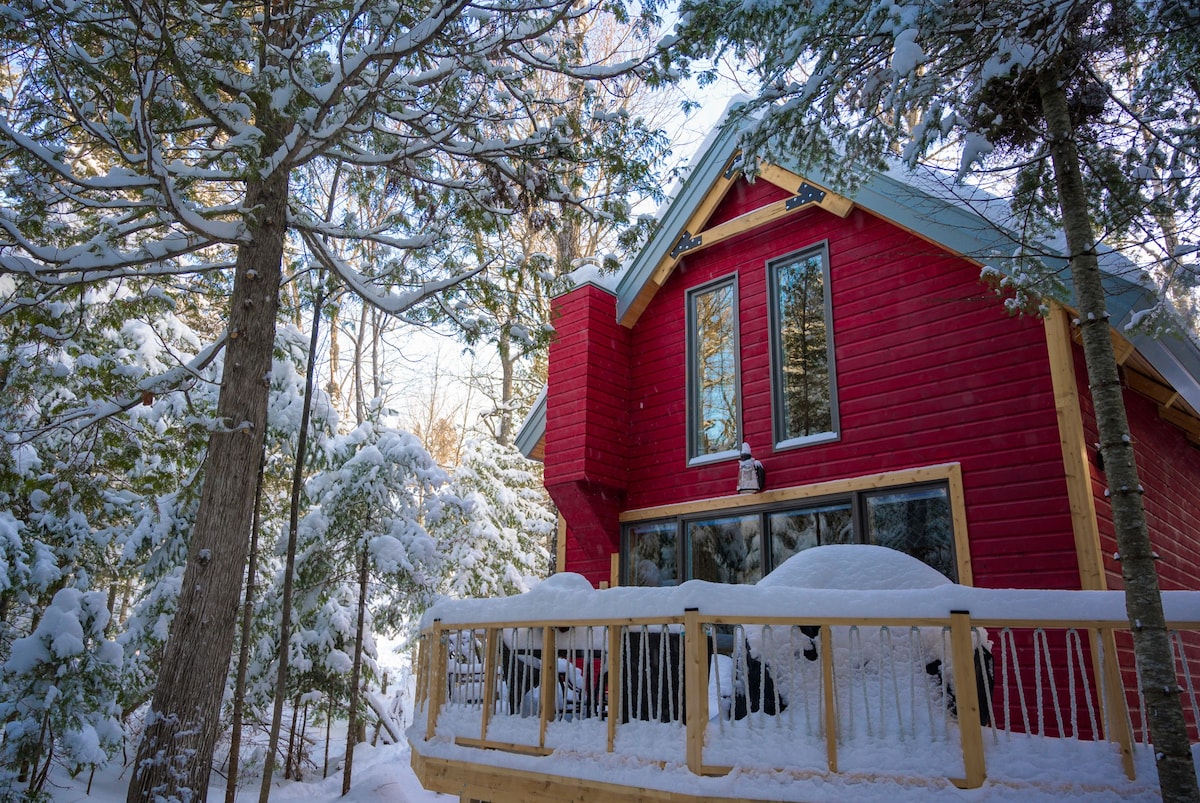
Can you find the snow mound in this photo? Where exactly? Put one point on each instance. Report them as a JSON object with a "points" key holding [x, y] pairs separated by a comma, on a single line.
{"points": [[563, 581], [858, 567]]}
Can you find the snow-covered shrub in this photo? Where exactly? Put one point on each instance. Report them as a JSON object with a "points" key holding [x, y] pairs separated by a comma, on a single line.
{"points": [[59, 691]]}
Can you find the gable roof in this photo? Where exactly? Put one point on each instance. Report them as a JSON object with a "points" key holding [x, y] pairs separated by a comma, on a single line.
{"points": [[965, 221]]}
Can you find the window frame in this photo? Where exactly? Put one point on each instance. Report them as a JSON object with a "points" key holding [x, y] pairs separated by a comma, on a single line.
{"points": [[694, 457], [778, 406], [856, 497]]}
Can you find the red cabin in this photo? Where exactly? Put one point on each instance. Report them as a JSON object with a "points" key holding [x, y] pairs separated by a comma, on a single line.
{"points": [[882, 387]]}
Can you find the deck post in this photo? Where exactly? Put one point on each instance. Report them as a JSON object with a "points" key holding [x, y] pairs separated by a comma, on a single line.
{"points": [[422, 658], [695, 684], [831, 729], [548, 707], [437, 678], [1116, 712], [490, 670], [966, 697], [613, 682]]}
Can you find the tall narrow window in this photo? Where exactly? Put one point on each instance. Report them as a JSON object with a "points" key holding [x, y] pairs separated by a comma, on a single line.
{"points": [[805, 392], [712, 370]]}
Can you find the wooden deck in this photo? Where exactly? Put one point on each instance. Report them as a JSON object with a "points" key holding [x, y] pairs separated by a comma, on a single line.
{"points": [[708, 707]]}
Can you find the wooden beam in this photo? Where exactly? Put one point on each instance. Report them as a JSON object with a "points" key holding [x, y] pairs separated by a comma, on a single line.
{"points": [[491, 652], [1116, 712], [1140, 383], [560, 545], [613, 682], [549, 681], [498, 784], [1074, 451], [790, 182], [635, 310], [731, 228], [1189, 424], [867, 482], [697, 220], [958, 519], [437, 678], [1122, 348]]}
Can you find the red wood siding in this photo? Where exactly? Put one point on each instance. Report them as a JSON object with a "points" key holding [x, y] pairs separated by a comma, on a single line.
{"points": [[1169, 470], [930, 370], [587, 426]]}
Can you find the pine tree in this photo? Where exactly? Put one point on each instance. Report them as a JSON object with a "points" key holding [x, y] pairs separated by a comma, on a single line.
{"points": [[150, 139], [501, 536], [58, 698]]}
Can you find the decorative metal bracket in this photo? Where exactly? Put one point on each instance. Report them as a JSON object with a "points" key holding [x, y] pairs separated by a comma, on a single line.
{"points": [[735, 165], [807, 194], [686, 242]]}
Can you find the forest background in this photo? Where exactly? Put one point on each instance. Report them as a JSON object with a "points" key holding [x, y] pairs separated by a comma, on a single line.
{"points": [[275, 289]]}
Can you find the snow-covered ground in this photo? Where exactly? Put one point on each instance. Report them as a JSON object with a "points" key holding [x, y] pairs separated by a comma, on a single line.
{"points": [[383, 774], [1026, 768], [380, 774]]}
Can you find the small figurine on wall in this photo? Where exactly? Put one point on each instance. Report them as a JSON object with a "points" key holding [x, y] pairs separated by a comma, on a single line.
{"points": [[752, 477]]}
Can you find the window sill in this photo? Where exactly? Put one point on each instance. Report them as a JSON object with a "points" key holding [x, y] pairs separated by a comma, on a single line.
{"points": [[715, 457], [808, 440]]}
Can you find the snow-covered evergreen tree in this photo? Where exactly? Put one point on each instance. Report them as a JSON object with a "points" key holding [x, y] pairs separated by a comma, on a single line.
{"points": [[501, 536], [58, 696]]}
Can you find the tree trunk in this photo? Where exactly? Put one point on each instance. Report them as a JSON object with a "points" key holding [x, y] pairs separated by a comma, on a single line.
{"points": [[352, 727], [175, 754], [334, 387], [1143, 602], [360, 393], [289, 568], [328, 733], [289, 761], [239, 690], [507, 370]]}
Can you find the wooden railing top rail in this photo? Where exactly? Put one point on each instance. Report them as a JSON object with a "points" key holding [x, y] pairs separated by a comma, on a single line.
{"points": [[835, 621], [746, 603]]}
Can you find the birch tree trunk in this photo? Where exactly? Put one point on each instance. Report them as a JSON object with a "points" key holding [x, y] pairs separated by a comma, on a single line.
{"points": [[1143, 602], [175, 755]]}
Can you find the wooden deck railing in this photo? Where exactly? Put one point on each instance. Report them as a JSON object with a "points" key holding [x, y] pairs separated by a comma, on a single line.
{"points": [[903, 696]]}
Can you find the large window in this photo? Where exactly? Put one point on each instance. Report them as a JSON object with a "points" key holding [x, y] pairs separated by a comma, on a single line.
{"points": [[725, 549], [803, 378], [652, 552], [713, 425], [741, 546]]}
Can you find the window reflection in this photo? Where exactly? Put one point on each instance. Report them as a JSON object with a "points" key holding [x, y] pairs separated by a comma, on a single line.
{"points": [[916, 522], [740, 547], [726, 550], [653, 553], [803, 392], [714, 370], [795, 530]]}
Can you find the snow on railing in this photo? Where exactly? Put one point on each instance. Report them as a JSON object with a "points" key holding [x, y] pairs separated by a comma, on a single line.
{"points": [[883, 696]]}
